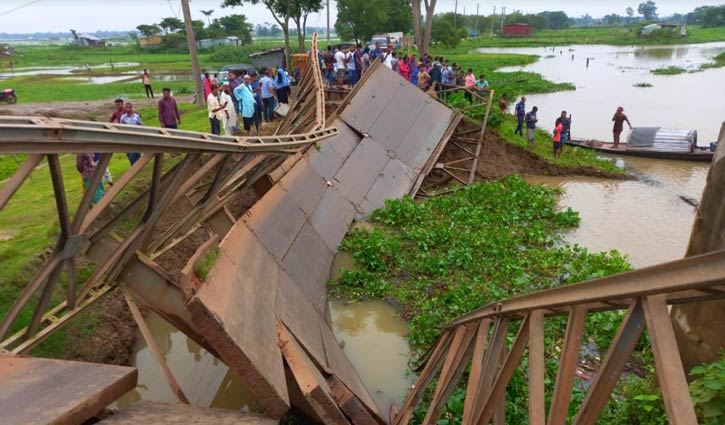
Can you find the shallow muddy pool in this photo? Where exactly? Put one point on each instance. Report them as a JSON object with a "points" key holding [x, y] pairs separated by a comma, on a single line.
{"points": [[675, 101]]}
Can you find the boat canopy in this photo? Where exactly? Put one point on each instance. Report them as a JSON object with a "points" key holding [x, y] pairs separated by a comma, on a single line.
{"points": [[659, 139]]}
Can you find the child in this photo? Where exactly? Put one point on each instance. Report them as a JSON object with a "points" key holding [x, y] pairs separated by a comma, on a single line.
{"points": [[557, 139]]}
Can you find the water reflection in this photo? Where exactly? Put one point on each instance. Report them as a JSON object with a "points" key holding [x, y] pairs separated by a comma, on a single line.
{"points": [[374, 339], [205, 380], [607, 81]]}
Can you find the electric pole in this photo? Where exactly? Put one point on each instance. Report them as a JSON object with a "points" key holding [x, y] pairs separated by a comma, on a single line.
{"points": [[503, 17], [328, 22], [455, 13], [195, 68], [493, 20], [477, 20]]}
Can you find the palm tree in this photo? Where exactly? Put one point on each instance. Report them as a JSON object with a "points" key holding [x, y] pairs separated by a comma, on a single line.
{"points": [[207, 13]]}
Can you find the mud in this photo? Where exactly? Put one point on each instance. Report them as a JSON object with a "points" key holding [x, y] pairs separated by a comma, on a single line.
{"points": [[111, 338], [500, 158], [88, 110]]}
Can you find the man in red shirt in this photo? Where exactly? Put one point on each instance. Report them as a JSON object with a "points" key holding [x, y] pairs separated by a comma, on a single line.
{"points": [[169, 116], [116, 115]]}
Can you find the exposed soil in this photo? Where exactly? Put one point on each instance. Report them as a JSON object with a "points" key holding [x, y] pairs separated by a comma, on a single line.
{"points": [[500, 158], [94, 110], [112, 336]]}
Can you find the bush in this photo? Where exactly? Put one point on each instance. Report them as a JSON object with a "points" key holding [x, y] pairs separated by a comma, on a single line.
{"points": [[708, 392]]}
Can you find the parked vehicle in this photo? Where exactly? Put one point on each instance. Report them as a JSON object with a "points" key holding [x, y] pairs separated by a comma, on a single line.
{"points": [[223, 74], [8, 96]]}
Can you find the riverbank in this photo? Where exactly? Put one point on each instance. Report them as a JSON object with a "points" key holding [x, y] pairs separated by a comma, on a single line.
{"points": [[493, 240]]}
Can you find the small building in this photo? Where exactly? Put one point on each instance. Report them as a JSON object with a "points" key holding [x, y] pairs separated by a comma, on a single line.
{"points": [[224, 41], [517, 30], [272, 58], [87, 40], [150, 42]]}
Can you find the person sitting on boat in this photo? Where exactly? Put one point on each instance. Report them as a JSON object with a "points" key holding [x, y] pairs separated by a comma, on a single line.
{"points": [[619, 118]]}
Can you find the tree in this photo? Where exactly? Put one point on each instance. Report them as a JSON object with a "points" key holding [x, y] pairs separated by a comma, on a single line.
{"points": [[445, 33], [208, 14], [422, 29], [281, 11], [302, 9], [360, 20], [400, 17], [714, 17], [612, 19], [648, 10], [558, 20], [234, 25], [630, 14], [148, 30], [171, 24]]}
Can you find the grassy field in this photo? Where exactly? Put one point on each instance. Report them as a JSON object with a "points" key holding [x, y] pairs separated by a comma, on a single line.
{"points": [[596, 35]]}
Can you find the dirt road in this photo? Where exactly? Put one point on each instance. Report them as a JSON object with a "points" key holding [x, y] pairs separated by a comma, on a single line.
{"points": [[76, 110]]}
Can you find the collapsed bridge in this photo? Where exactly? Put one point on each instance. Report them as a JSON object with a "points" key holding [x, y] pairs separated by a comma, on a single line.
{"points": [[274, 211]]}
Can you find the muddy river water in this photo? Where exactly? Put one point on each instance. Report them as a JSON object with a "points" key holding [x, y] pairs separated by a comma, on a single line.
{"points": [[644, 218]]}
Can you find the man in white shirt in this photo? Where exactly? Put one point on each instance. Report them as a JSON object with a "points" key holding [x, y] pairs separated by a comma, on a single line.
{"points": [[387, 58], [229, 118], [350, 61], [216, 110], [340, 66]]}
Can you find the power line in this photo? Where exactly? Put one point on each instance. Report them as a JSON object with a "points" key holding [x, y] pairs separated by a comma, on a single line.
{"points": [[175, 12], [19, 7]]}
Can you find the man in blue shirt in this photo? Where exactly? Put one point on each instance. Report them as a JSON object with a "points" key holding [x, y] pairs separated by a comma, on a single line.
{"points": [[531, 120], [247, 105], [267, 87], [282, 85], [377, 51], [520, 113]]}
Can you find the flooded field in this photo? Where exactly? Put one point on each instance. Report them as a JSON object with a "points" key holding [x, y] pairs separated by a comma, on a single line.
{"points": [[674, 101]]}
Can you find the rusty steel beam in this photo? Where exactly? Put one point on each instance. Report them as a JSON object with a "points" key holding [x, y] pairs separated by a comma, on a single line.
{"points": [[697, 272]]}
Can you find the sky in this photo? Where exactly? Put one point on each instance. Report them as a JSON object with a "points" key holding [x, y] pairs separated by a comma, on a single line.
{"points": [[115, 15]]}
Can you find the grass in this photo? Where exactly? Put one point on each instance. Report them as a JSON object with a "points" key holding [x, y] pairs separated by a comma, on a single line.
{"points": [[718, 62], [489, 241], [670, 70], [620, 36], [205, 264]]}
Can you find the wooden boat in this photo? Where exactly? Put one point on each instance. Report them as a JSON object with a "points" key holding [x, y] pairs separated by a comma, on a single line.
{"points": [[653, 142]]}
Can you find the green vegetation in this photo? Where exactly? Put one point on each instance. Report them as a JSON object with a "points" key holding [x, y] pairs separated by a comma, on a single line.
{"points": [[718, 62], [205, 264], [708, 392], [670, 70], [643, 85], [618, 36], [490, 241]]}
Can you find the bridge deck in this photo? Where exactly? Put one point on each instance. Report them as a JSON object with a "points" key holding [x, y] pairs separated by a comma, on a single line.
{"points": [[44, 391]]}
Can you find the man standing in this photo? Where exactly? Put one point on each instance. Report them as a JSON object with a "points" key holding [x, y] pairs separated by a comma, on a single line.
{"points": [[116, 115], [376, 52], [329, 61], [350, 62], [130, 117], [557, 139], [215, 109], [531, 125], [267, 89], [229, 118], [169, 116], [619, 118], [247, 104], [387, 58], [482, 84], [565, 124], [357, 57], [520, 113], [340, 67]]}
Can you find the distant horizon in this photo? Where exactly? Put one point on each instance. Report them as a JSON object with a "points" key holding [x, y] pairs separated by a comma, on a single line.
{"points": [[59, 16]]}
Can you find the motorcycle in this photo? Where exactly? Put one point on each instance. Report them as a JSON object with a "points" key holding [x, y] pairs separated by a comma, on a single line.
{"points": [[8, 95]]}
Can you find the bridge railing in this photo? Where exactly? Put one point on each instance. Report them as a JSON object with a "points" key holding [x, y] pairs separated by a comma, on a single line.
{"points": [[204, 172], [479, 339]]}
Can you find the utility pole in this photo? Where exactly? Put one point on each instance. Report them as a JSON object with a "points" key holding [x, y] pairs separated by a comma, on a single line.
{"points": [[493, 20], [195, 68], [455, 13], [328, 22], [477, 20], [503, 17]]}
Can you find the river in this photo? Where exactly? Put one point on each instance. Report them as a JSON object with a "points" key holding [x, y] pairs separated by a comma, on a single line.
{"points": [[674, 101], [644, 218]]}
